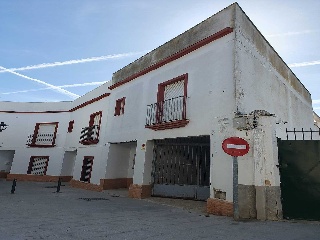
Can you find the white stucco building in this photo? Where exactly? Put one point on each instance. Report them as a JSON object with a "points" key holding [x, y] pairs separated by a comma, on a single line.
{"points": [[158, 126]]}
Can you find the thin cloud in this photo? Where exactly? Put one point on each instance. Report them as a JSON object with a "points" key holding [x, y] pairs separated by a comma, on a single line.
{"points": [[317, 101], [292, 33], [317, 108], [62, 86], [77, 61], [304, 64], [58, 89]]}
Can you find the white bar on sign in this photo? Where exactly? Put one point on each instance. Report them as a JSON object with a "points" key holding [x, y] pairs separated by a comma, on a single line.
{"points": [[236, 146]]}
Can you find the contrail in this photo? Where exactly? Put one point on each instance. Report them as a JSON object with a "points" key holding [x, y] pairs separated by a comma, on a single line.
{"points": [[292, 33], [62, 86], [304, 64], [58, 89], [76, 61]]}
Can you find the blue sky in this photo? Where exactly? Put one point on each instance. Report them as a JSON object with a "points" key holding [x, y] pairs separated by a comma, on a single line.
{"points": [[56, 50]]}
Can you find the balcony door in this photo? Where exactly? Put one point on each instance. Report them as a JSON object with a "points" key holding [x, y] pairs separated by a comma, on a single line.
{"points": [[171, 99]]}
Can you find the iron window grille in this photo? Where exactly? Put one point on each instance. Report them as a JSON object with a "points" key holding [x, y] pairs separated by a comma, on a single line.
{"points": [[119, 108], [70, 127], [90, 135], [86, 169], [170, 109], [44, 135], [38, 165]]}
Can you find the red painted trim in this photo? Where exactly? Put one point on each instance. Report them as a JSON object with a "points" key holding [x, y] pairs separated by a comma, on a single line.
{"points": [[175, 56], [36, 131], [119, 108], [168, 125], [83, 170], [32, 161], [70, 127], [35, 112], [89, 102], [91, 122], [160, 94]]}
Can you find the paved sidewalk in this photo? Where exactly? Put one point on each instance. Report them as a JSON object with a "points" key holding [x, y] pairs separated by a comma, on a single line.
{"points": [[36, 212]]}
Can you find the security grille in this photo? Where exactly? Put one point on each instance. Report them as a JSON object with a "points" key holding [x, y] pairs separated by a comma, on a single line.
{"points": [[45, 134], [181, 167], [96, 124], [90, 134], [38, 165], [86, 169]]}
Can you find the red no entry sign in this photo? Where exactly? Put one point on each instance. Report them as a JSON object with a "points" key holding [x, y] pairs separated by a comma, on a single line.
{"points": [[235, 146]]}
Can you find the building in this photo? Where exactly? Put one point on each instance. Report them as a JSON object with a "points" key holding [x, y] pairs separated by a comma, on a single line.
{"points": [[158, 126]]}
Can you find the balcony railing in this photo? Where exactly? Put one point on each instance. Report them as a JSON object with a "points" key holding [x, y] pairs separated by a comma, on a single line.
{"points": [[167, 112], [41, 140], [90, 135]]}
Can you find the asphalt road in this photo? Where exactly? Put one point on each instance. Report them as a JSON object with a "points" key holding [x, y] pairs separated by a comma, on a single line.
{"points": [[36, 211]]}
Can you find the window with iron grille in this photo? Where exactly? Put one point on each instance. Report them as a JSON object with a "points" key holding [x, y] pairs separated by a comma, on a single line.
{"points": [[90, 134], [119, 109], [70, 127], [38, 165], [170, 109], [86, 169], [44, 135]]}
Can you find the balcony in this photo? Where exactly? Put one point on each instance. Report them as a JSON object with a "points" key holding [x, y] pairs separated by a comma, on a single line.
{"points": [[41, 140], [90, 135], [167, 114]]}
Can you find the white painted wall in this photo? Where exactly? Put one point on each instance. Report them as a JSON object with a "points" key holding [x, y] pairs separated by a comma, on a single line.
{"points": [[226, 76], [22, 158], [69, 159], [208, 84], [100, 154], [22, 123], [120, 160]]}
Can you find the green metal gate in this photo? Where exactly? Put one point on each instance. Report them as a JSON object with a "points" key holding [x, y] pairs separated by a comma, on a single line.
{"points": [[299, 163]]}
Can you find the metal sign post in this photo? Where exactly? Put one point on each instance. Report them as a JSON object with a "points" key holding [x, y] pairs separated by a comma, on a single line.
{"points": [[235, 188], [235, 147]]}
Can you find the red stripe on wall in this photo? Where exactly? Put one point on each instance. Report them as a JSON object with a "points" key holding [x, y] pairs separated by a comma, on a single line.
{"points": [[89, 102], [175, 56]]}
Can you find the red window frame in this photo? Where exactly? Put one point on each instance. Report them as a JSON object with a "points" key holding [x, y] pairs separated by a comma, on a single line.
{"points": [[36, 131], [160, 94], [70, 126], [119, 108], [161, 86], [84, 169], [91, 123], [32, 158]]}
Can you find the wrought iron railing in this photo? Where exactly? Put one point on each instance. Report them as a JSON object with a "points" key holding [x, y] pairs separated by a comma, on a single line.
{"points": [[90, 134], [303, 134], [170, 110]]}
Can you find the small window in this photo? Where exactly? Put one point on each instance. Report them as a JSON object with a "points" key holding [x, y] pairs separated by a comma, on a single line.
{"points": [[70, 127], [119, 109], [90, 134], [44, 135], [86, 169], [38, 165]]}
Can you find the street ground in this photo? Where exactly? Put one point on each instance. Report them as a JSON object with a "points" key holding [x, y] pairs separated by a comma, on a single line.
{"points": [[36, 211]]}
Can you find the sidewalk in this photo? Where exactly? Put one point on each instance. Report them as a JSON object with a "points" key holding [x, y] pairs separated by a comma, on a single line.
{"points": [[35, 211]]}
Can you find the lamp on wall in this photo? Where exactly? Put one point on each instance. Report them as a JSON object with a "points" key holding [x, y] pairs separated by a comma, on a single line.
{"points": [[3, 126]]}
